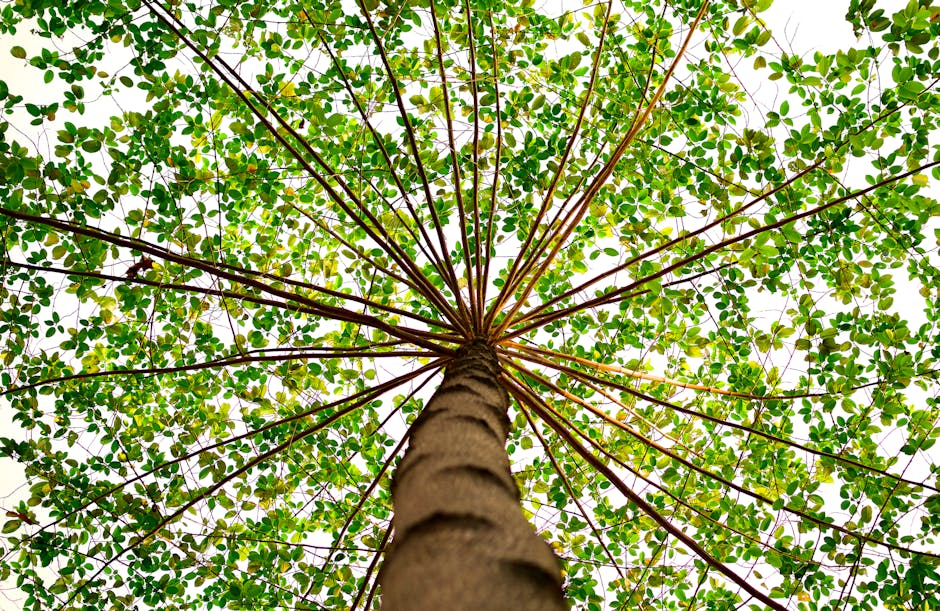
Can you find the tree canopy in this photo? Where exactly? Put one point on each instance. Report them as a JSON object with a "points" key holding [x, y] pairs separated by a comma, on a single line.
{"points": [[241, 239]]}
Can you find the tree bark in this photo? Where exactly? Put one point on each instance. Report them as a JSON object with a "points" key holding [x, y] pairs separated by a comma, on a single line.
{"points": [[461, 539]]}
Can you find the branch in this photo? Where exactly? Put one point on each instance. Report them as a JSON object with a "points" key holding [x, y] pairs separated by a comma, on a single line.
{"points": [[365, 580], [455, 170], [434, 257], [235, 295], [639, 375], [601, 413], [362, 397], [384, 240], [619, 294], [477, 296], [527, 397], [574, 497], [522, 258], [491, 215], [451, 278], [573, 219], [302, 355], [414, 336], [741, 489], [736, 212], [375, 481], [701, 416]]}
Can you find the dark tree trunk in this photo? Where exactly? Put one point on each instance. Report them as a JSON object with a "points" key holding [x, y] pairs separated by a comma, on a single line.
{"points": [[462, 542]]}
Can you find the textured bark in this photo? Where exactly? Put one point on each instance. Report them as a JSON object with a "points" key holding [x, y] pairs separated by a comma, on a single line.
{"points": [[461, 539]]}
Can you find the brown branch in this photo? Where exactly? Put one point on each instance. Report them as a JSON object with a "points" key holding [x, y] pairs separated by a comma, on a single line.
{"points": [[236, 295], [849, 462], [577, 213], [455, 170], [451, 277], [208, 492], [676, 282], [496, 170], [681, 238], [639, 375], [338, 537], [511, 280], [374, 230], [618, 294], [360, 397], [736, 487], [574, 497], [414, 336], [476, 296], [433, 257], [532, 400], [623, 426], [677, 499], [302, 355], [365, 580]]}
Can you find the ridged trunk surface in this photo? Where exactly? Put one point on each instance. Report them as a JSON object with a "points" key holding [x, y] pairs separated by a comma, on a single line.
{"points": [[461, 541]]}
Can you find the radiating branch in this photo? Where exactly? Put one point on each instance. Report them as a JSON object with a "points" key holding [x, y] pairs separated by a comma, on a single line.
{"points": [[844, 460], [678, 499], [597, 411], [616, 295], [571, 494], [475, 295], [451, 278], [739, 488], [543, 307], [338, 537], [284, 305], [206, 493], [296, 354], [523, 258], [434, 257], [373, 228], [573, 219], [372, 566], [494, 202], [358, 399], [455, 172], [639, 375], [415, 336], [532, 401]]}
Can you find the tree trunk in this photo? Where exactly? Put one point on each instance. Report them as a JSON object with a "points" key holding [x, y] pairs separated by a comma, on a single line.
{"points": [[461, 539]]}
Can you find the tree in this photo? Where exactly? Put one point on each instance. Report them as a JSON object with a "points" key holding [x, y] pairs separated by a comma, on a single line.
{"points": [[243, 240]]}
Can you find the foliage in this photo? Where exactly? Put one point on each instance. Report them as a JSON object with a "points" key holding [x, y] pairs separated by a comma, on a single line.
{"points": [[242, 238]]}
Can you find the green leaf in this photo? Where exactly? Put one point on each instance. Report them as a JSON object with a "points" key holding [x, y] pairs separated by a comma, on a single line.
{"points": [[11, 526], [909, 90]]}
